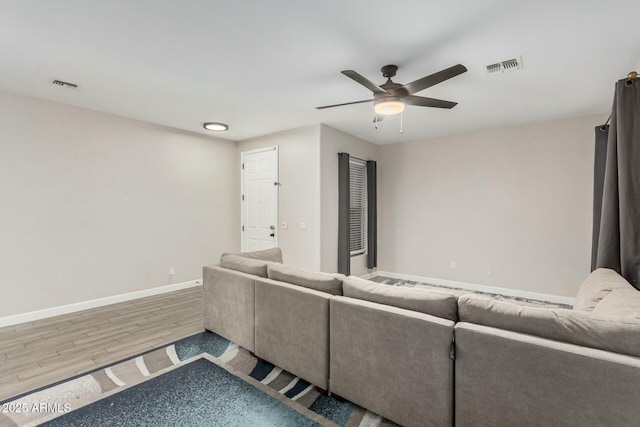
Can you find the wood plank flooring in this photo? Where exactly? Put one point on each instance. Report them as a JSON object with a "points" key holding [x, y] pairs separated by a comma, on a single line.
{"points": [[36, 354]]}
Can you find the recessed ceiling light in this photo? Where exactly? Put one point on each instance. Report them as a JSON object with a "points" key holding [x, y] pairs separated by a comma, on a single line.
{"points": [[218, 127]]}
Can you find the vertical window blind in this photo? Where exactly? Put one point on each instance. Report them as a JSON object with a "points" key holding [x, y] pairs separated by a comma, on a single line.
{"points": [[358, 206]]}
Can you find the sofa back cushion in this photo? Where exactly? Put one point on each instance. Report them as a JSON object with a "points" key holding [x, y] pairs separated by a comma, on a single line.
{"points": [[598, 285], [323, 282], [612, 333], [435, 302], [621, 302], [272, 254], [246, 265]]}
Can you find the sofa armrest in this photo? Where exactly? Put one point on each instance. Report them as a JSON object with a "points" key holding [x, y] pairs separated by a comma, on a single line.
{"points": [[392, 361], [228, 304], [505, 378], [292, 329]]}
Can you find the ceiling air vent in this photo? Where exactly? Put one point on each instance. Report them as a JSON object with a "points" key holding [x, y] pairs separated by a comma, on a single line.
{"points": [[65, 84], [508, 65]]}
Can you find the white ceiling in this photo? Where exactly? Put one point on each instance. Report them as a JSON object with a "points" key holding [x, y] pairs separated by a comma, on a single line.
{"points": [[262, 66]]}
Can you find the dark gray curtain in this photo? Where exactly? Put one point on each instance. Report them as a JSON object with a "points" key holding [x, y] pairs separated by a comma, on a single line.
{"points": [[602, 133], [372, 215], [344, 250], [619, 237]]}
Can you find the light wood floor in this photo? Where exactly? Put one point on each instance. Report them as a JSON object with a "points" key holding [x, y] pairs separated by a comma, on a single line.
{"points": [[42, 352]]}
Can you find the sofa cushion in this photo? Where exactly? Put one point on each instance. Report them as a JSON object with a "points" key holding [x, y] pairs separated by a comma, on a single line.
{"points": [[323, 282], [598, 285], [246, 265], [429, 301], [621, 302], [339, 276], [272, 254], [613, 333]]}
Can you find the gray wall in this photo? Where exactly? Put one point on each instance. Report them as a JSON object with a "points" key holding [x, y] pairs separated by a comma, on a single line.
{"points": [[95, 205], [516, 201], [308, 164], [332, 142], [299, 192]]}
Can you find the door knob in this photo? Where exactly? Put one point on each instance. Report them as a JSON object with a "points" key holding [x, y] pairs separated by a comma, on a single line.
{"points": [[272, 227], [272, 234]]}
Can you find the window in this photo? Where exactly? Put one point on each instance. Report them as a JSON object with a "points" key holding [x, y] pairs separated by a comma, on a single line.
{"points": [[358, 206]]}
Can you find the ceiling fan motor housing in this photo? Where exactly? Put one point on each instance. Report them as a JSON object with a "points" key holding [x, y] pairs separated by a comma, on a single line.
{"points": [[389, 71]]}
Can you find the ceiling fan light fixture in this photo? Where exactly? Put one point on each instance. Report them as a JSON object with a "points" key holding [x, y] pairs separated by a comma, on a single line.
{"points": [[217, 127], [389, 107]]}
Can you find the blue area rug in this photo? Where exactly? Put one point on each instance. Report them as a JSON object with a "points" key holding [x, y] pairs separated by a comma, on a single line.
{"points": [[200, 380], [199, 393]]}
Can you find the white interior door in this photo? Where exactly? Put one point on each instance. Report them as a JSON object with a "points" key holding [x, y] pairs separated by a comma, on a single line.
{"points": [[259, 199]]}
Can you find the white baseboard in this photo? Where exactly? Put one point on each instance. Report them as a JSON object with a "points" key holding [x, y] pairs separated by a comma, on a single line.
{"points": [[475, 287], [85, 305], [370, 275]]}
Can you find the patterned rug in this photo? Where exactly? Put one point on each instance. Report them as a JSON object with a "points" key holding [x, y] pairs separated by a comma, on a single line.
{"points": [[459, 291], [200, 380]]}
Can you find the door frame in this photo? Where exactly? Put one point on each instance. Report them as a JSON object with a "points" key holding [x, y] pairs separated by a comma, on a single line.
{"points": [[277, 178]]}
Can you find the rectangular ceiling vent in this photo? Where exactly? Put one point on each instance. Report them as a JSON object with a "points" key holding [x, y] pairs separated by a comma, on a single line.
{"points": [[65, 84], [508, 65]]}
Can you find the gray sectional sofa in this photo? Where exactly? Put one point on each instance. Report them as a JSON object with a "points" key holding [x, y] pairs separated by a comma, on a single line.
{"points": [[436, 357], [534, 366]]}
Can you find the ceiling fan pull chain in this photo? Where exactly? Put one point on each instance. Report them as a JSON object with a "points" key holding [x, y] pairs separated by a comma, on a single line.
{"points": [[401, 122]]}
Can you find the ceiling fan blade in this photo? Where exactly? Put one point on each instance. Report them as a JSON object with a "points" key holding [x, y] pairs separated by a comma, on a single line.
{"points": [[364, 81], [428, 102], [346, 103], [434, 79]]}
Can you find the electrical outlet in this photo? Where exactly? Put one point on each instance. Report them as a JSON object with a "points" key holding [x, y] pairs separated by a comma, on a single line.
{"points": [[303, 226], [172, 271], [489, 272], [453, 264], [285, 225]]}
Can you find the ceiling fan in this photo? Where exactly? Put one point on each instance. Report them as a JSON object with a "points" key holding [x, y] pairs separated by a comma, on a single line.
{"points": [[390, 98]]}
